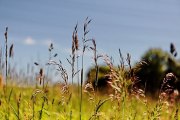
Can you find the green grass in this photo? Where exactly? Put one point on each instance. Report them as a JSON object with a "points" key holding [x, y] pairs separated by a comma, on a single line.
{"points": [[59, 107]]}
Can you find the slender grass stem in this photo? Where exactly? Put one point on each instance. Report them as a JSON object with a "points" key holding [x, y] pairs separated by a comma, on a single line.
{"points": [[6, 54], [81, 96]]}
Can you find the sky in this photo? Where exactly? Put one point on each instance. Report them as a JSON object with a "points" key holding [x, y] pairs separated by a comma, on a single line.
{"points": [[134, 26]]}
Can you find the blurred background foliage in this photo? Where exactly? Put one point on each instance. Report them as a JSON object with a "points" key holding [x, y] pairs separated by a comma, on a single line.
{"points": [[151, 74], [156, 64], [103, 78]]}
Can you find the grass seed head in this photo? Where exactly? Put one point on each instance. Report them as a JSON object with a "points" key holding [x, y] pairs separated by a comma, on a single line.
{"points": [[76, 42], [168, 83], [41, 72], [5, 34], [173, 50], [51, 47], [36, 63], [40, 75], [11, 52]]}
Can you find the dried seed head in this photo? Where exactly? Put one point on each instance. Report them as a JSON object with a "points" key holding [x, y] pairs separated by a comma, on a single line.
{"points": [[36, 63], [76, 42], [173, 50], [73, 46], [65, 89], [170, 77], [51, 47], [89, 87], [41, 72], [40, 75], [94, 43], [19, 98], [168, 85], [55, 55], [5, 34], [11, 52]]}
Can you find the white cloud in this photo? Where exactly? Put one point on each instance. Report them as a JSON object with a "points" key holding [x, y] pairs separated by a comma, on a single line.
{"points": [[29, 41]]}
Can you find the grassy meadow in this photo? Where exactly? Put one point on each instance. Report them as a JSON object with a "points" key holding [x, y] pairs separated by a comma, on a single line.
{"points": [[81, 100], [55, 106]]}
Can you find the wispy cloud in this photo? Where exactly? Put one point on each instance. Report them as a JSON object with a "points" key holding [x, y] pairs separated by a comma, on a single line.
{"points": [[32, 41], [29, 41]]}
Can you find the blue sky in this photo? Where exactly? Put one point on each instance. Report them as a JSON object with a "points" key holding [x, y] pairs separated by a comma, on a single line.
{"points": [[134, 26]]}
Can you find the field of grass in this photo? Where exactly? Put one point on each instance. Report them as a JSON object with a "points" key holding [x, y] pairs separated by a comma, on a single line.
{"points": [[30, 103], [82, 101]]}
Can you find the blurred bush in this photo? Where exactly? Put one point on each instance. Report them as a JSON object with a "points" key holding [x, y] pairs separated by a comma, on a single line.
{"points": [[151, 74], [103, 78], [157, 63]]}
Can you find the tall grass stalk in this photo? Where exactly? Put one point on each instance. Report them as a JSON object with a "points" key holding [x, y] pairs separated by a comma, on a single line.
{"points": [[18, 106], [84, 46], [81, 88], [94, 49], [97, 108], [75, 47], [33, 107], [77, 62], [6, 70], [42, 107], [6, 55], [51, 47], [11, 53], [95, 58], [8, 104]]}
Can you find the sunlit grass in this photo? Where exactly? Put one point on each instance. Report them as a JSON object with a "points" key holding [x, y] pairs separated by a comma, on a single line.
{"points": [[56, 107]]}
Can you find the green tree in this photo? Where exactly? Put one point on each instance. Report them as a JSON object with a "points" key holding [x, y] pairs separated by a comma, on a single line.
{"points": [[103, 78], [151, 74]]}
